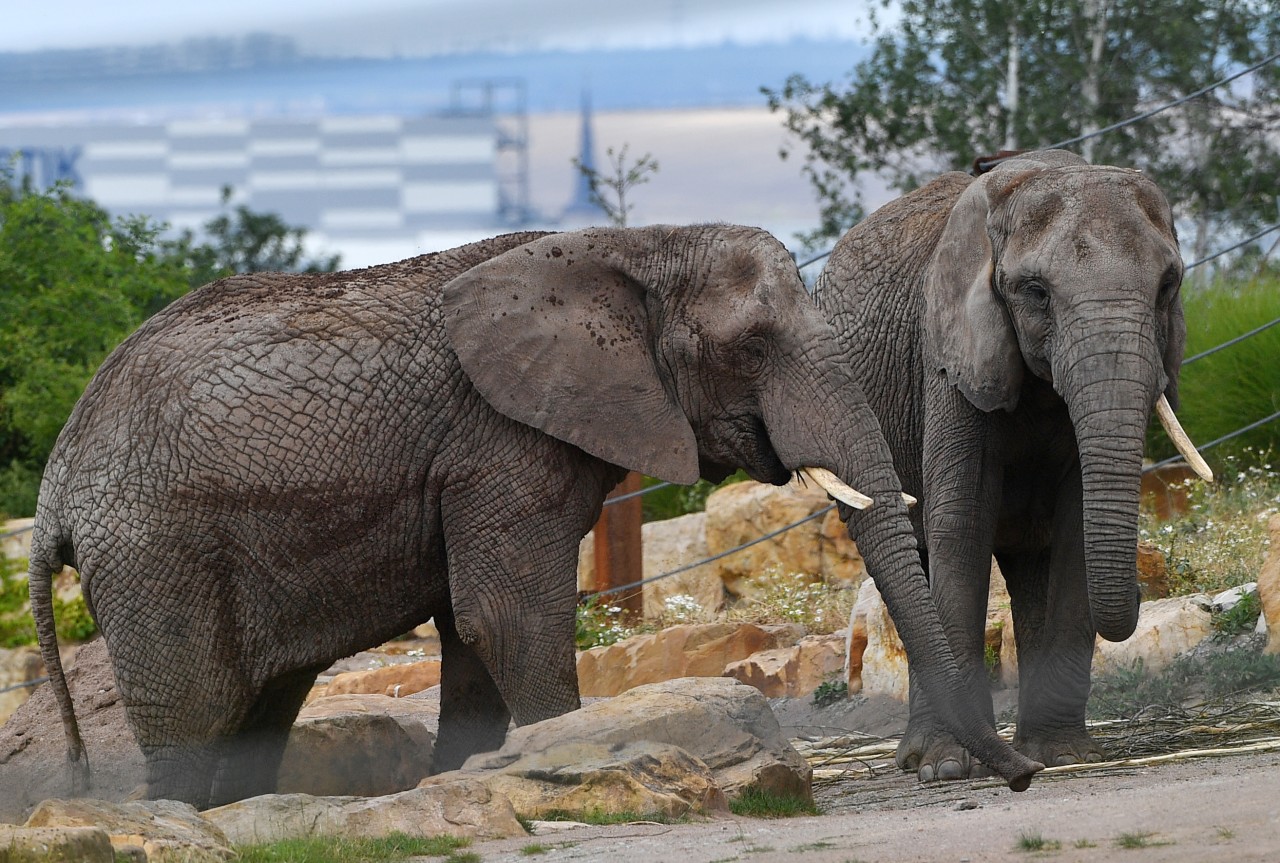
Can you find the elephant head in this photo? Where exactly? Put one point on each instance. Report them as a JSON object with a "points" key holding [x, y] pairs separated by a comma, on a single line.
{"points": [[1050, 267], [687, 352]]}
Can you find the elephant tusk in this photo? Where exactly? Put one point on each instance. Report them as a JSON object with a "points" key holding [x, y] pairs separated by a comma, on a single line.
{"points": [[836, 487], [909, 500], [1180, 440]]}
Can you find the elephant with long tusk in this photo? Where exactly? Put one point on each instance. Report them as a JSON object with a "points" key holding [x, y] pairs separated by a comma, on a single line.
{"points": [[1013, 334], [279, 470]]}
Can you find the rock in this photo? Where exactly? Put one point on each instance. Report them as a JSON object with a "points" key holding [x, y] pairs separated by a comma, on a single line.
{"points": [[688, 650], [1153, 572], [666, 545], [1167, 628], [882, 667], [367, 745], [166, 830], [884, 661], [1230, 598], [794, 671], [745, 511], [17, 665], [16, 543], [1164, 490], [463, 808], [641, 777], [33, 746], [54, 845], [1269, 587], [395, 681], [722, 723]]}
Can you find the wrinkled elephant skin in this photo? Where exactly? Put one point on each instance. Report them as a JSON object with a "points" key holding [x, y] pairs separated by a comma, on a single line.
{"points": [[1012, 333], [279, 470]]}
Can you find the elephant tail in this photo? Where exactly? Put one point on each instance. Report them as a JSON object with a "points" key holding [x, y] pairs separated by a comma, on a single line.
{"points": [[47, 541]]}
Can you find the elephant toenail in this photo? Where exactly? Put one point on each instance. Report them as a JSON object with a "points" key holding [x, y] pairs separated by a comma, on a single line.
{"points": [[1064, 759], [1094, 757], [926, 773], [950, 769]]}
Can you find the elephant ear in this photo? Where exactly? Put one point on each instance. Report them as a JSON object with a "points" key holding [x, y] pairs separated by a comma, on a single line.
{"points": [[557, 335], [968, 330]]}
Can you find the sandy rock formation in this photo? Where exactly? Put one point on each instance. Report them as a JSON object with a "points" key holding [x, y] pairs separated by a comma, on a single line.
{"points": [[688, 650]]}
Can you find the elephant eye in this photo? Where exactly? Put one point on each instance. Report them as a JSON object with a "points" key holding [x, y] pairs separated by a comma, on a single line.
{"points": [[1036, 293], [1169, 286]]}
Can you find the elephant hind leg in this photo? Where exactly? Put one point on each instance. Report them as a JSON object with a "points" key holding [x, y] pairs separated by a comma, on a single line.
{"points": [[473, 716], [251, 756]]}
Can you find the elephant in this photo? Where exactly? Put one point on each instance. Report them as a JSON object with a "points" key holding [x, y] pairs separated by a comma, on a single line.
{"points": [[1012, 333], [279, 470]]}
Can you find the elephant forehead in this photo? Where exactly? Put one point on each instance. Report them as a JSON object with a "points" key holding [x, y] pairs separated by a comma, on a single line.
{"points": [[1092, 217]]}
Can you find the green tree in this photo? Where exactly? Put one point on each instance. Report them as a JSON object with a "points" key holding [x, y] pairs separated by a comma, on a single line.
{"points": [[246, 241], [74, 282], [952, 80]]}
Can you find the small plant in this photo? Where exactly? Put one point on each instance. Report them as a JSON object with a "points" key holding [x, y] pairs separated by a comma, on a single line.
{"points": [[1239, 618], [336, 849], [786, 597], [609, 191], [604, 817], [991, 659], [814, 846], [830, 692], [599, 624], [757, 802], [1083, 843], [1033, 842], [1133, 840], [534, 848]]}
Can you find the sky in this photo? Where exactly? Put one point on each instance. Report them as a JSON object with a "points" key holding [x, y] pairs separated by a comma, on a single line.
{"points": [[390, 27]]}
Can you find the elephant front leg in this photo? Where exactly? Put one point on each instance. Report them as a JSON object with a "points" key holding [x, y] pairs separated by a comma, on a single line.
{"points": [[509, 648], [1055, 638], [962, 497]]}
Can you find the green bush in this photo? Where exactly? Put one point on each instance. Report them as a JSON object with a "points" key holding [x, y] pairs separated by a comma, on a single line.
{"points": [[1237, 385], [677, 500], [71, 617]]}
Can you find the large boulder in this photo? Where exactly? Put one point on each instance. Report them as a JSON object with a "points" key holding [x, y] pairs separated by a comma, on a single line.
{"points": [[464, 808], [1167, 628], [795, 671], [688, 650], [166, 831], [575, 777], [720, 723], [366, 745], [54, 845], [819, 549], [876, 661], [666, 545], [33, 747], [396, 680]]}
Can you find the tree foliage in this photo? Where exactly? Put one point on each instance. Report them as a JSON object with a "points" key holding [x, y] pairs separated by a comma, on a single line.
{"points": [[74, 282], [609, 190], [952, 80]]}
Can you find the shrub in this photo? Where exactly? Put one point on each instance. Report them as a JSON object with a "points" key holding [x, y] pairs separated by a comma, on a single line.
{"points": [[1222, 540], [1235, 386]]}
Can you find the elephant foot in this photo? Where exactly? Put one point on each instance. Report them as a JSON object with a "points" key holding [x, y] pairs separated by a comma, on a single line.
{"points": [[935, 755], [1059, 747]]}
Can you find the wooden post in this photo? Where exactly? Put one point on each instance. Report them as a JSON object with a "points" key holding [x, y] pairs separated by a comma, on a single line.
{"points": [[617, 548]]}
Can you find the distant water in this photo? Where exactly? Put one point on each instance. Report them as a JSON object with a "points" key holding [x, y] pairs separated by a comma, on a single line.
{"points": [[720, 76]]}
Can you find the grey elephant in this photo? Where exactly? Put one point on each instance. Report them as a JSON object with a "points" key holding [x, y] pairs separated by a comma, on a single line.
{"points": [[1012, 334], [280, 470]]}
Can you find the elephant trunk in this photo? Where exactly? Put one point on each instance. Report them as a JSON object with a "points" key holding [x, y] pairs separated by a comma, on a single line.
{"points": [[1109, 396], [834, 428]]}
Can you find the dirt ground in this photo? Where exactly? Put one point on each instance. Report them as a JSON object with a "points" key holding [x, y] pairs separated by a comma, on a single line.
{"points": [[1215, 809], [1199, 811]]}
